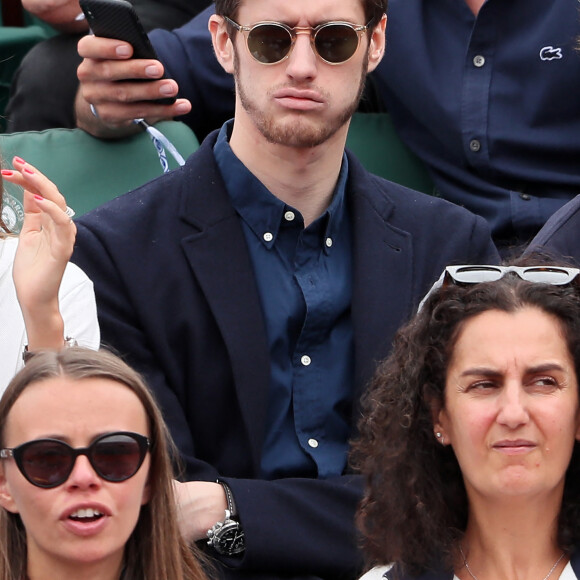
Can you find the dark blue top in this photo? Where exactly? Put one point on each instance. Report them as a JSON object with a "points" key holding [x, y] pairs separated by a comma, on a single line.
{"points": [[304, 278], [491, 105]]}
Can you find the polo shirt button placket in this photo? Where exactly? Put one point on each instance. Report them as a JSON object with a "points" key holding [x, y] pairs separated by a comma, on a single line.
{"points": [[474, 145], [478, 61]]}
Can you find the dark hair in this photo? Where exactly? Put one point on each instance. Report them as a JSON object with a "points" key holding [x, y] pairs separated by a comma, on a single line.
{"points": [[414, 509], [155, 549], [374, 9]]}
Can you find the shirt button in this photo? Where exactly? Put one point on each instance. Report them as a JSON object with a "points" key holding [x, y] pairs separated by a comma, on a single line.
{"points": [[525, 196], [328, 242], [475, 145], [313, 443], [479, 60], [289, 216], [268, 237], [305, 360]]}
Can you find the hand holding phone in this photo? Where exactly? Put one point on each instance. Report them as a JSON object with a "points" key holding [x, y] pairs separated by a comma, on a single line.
{"points": [[117, 19]]}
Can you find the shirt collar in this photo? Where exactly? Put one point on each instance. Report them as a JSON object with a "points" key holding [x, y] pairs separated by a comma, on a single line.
{"points": [[262, 211]]}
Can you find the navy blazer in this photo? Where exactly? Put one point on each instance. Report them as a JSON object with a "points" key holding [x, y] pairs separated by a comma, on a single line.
{"points": [[177, 297]]}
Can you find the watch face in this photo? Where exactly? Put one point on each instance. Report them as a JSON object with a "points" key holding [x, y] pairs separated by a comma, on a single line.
{"points": [[229, 539]]}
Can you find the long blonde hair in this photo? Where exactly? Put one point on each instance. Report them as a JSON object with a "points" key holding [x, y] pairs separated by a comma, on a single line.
{"points": [[155, 549]]}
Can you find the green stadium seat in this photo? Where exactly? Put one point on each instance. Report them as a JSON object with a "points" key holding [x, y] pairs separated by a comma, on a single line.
{"points": [[90, 171], [373, 139]]}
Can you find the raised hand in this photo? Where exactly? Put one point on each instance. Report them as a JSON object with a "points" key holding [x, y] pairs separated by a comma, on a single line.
{"points": [[45, 246]]}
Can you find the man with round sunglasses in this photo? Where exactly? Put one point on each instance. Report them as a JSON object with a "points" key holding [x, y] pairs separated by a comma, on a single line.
{"points": [[472, 88], [256, 287]]}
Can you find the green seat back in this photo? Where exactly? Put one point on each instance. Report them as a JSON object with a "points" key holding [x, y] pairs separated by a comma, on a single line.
{"points": [[372, 138], [90, 171]]}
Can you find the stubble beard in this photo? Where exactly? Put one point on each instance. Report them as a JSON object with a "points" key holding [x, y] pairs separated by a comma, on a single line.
{"points": [[300, 132]]}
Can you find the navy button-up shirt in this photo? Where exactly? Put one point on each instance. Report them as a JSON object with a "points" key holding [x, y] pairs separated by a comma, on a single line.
{"points": [[304, 278], [490, 103]]}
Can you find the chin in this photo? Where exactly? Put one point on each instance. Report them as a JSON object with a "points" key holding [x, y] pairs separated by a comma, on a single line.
{"points": [[299, 133]]}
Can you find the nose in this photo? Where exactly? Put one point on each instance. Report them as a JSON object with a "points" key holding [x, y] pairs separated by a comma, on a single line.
{"points": [[301, 63], [513, 410], [83, 476]]}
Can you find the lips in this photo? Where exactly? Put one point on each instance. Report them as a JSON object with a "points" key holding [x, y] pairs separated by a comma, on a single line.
{"points": [[514, 445], [86, 519], [294, 93], [299, 99]]}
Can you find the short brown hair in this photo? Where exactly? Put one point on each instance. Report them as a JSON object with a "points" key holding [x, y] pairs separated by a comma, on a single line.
{"points": [[374, 9]]}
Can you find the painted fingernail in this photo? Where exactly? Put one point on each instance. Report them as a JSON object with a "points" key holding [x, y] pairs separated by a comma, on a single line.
{"points": [[28, 170], [39, 197], [7, 172]]}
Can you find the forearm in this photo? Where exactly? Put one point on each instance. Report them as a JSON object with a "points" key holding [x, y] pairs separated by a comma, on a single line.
{"points": [[299, 525], [44, 327]]}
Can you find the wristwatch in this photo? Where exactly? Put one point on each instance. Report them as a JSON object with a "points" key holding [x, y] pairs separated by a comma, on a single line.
{"points": [[227, 537]]}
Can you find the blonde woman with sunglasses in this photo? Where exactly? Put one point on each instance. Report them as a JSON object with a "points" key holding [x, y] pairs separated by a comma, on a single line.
{"points": [[87, 493]]}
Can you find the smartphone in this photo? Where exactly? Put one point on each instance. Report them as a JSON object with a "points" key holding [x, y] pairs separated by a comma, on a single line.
{"points": [[118, 19]]}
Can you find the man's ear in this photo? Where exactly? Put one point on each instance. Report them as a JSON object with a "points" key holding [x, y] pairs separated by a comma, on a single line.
{"points": [[377, 44], [222, 43], [6, 500]]}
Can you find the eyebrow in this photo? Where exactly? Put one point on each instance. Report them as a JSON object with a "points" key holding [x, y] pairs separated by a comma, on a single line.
{"points": [[487, 372], [66, 439]]}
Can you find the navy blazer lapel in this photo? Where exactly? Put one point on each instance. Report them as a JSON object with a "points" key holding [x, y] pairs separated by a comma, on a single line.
{"points": [[382, 266], [221, 263]]}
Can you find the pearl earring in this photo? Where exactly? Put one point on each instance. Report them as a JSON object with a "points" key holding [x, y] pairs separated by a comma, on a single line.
{"points": [[438, 435]]}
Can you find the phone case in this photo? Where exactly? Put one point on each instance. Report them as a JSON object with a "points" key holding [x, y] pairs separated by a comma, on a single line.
{"points": [[118, 19]]}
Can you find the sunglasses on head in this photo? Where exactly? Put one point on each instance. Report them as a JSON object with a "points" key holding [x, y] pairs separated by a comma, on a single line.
{"points": [[555, 275], [272, 42], [49, 462]]}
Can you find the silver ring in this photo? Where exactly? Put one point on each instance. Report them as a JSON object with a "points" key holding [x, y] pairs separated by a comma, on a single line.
{"points": [[94, 110], [70, 212]]}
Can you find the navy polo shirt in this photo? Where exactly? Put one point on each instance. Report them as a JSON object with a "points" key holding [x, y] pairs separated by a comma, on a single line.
{"points": [[490, 103], [304, 278]]}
